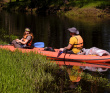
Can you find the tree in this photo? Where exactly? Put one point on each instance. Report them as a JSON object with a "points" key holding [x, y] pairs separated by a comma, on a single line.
{"points": [[17, 0]]}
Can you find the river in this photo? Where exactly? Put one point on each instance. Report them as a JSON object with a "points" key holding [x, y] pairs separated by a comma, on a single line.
{"points": [[52, 29]]}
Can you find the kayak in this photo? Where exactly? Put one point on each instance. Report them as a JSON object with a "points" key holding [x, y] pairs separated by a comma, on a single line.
{"points": [[68, 58], [84, 64]]}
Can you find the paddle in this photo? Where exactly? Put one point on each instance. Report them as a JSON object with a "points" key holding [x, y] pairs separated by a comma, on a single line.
{"points": [[39, 44], [59, 53], [62, 50]]}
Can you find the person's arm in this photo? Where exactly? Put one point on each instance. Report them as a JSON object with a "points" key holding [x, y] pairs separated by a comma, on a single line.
{"points": [[18, 40], [23, 42], [69, 46], [26, 41], [21, 39]]}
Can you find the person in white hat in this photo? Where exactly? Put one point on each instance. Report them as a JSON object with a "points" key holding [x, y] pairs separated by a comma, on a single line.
{"points": [[26, 41], [75, 43]]}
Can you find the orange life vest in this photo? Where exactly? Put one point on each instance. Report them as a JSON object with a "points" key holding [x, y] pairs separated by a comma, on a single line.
{"points": [[79, 44], [30, 41]]}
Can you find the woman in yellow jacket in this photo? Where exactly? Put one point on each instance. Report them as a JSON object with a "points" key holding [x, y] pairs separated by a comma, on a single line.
{"points": [[26, 41], [75, 43]]}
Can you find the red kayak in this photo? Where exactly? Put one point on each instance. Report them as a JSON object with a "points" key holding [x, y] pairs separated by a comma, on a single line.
{"points": [[99, 65], [69, 58]]}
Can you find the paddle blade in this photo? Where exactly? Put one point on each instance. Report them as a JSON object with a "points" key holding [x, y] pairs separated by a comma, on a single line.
{"points": [[39, 44], [59, 53]]}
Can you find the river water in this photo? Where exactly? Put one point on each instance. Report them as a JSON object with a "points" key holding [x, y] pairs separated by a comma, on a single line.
{"points": [[52, 29]]}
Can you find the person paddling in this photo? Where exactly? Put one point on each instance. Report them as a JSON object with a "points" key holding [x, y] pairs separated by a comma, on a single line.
{"points": [[75, 43], [26, 41]]}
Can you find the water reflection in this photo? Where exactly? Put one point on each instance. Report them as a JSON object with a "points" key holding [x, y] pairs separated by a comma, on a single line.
{"points": [[94, 69], [74, 73], [52, 29], [90, 82], [106, 36]]}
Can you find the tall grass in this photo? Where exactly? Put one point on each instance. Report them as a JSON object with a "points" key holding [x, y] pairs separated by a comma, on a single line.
{"points": [[33, 73], [28, 73]]}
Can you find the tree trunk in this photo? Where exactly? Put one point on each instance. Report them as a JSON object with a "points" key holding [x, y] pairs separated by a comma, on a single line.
{"points": [[17, 0], [65, 1]]}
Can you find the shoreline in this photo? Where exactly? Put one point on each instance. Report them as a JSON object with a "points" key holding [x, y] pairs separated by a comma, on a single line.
{"points": [[88, 12], [66, 10]]}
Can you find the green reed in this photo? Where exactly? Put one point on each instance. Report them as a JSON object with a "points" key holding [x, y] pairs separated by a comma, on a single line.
{"points": [[28, 73], [33, 73]]}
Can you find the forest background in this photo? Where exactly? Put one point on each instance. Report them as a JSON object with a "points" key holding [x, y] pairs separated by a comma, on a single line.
{"points": [[98, 8]]}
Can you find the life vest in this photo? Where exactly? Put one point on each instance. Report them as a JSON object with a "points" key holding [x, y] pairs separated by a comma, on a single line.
{"points": [[30, 41], [79, 44]]}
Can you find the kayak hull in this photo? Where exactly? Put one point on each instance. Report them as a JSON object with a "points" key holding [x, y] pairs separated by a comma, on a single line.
{"points": [[69, 58]]}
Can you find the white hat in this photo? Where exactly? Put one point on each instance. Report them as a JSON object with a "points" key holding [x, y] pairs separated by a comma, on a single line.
{"points": [[73, 30]]}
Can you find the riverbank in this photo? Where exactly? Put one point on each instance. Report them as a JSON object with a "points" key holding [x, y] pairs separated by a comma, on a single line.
{"points": [[31, 73], [88, 12], [94, 9]]}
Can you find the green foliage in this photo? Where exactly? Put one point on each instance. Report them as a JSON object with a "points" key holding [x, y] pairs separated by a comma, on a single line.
{"points": [[44, 5], [6, 38], [11, 37], [28, 73], [2, 42], [78, 89], [90, 3], [100, 81]]}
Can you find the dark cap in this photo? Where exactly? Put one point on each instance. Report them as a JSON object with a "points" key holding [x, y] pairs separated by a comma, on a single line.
{"points": [[73, 30]]}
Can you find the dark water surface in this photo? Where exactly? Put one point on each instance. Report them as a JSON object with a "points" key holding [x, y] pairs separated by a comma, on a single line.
{"points": [[52, 30]]}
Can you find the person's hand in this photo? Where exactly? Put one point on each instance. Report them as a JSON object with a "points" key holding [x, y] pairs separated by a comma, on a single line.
{"points": [[61, 49], [17, 40]]}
